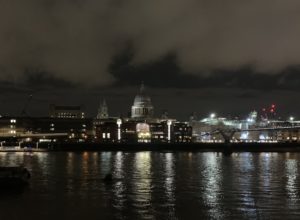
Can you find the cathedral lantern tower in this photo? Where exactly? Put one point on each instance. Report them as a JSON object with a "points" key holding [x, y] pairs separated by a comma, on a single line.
{"points": [[142, 107]]}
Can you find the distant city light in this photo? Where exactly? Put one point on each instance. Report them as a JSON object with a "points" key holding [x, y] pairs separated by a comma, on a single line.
{"points": [[250, 120]]}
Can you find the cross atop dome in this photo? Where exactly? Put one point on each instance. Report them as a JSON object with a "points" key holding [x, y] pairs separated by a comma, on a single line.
{"points": [[104, 103], [142, 89]]}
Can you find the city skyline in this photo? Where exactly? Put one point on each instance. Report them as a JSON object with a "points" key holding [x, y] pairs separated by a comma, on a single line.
{"points": [[158, 109], [120, 99]]}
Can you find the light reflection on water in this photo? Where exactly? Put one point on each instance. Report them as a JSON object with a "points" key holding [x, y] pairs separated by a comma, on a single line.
{"points": [[169, 184], [211, 180], [155, 185], [142, 188], [245, 166], [119, 187], [291, 167]]}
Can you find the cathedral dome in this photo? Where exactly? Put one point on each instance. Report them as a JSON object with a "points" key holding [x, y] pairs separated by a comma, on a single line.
{"points": [[142, 106], [142, 99]]}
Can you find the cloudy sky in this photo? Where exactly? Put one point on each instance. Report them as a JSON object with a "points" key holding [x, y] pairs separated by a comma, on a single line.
{"points": [[230, 56]]}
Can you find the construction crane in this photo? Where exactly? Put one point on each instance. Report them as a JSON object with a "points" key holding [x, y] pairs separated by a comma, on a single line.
{"points": [[23, 112]]}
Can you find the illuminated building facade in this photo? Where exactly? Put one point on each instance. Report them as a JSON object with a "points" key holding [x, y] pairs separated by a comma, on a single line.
{"points": [[142, 126], [181, 133], [56, 111], [247, 130], [12, 126], [107, 132], [142, 107], [129, 131], [76, 130], [71, 125]]}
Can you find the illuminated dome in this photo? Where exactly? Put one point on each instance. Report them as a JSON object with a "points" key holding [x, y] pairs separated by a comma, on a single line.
{"points": [[142, 99], [142, 106]]}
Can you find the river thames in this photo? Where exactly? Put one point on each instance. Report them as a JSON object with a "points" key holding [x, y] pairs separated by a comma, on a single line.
{"points": [[154, 185]]}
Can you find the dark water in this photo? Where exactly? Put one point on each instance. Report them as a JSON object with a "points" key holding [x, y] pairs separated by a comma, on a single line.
{"points": [[153, 185]]}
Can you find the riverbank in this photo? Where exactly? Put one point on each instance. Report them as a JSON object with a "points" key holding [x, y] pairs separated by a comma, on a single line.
{"points": [[19, 149], [200, 147]]}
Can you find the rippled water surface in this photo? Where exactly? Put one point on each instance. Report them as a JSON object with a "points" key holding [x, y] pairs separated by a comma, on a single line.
{"points": [[154, 185]]}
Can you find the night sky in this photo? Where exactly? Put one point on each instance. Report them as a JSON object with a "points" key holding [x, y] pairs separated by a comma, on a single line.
{"points": [[230, 57]]}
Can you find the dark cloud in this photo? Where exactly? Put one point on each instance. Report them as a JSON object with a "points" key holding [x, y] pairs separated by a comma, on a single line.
{"points": [[165, 73], [76, 40], [37, 80], [203, 55]]}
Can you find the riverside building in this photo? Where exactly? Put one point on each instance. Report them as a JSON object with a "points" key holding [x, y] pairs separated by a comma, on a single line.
{"points": [[69, 124], [142, 126], [59, 111]]}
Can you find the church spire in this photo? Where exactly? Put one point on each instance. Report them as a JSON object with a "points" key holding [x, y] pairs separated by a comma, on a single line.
{"points": [[102, 110]]}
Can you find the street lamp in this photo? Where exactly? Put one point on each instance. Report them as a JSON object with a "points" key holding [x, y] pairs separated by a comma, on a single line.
{"points": [[119, 122], [212, 115], [169, 123]]}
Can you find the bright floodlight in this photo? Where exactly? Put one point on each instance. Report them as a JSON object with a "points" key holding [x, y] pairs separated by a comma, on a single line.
{"points": [[212, 115], [292, 118], [119, 121]]}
